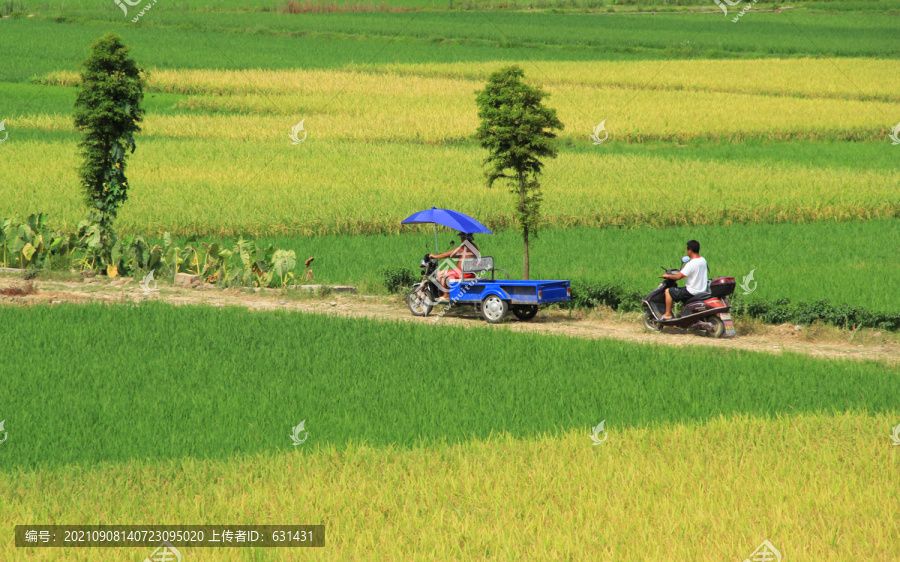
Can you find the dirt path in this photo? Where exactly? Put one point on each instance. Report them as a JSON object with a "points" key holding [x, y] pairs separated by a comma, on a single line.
{"points": [[819, 342]]}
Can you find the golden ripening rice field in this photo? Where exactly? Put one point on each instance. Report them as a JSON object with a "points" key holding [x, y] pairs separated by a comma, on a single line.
{"points": [[704, 492], [215, 156]]}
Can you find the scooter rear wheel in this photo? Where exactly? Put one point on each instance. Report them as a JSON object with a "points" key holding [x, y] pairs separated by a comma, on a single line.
{"points": [[650, 322], [718, 327]]}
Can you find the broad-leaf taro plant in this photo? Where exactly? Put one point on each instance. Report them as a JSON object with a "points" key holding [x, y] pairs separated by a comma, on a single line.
{"points": [[32, 244]]}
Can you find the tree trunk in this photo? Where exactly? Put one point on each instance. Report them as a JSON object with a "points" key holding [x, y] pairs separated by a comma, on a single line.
{"points": [[525, 238], [525, 226]]}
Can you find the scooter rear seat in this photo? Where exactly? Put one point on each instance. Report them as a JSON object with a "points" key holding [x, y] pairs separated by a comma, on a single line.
{"points": [[699, 297]]}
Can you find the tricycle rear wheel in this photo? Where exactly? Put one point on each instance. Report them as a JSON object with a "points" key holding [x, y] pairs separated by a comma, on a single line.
{"points": [[525, 311], [420, 302], [493, 309]]}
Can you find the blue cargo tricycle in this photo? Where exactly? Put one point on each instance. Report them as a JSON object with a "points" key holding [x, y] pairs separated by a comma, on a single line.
{"points": [[493, 298]]}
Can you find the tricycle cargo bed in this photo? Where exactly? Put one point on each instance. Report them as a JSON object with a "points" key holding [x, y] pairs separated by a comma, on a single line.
{"points": [[514, 291]]}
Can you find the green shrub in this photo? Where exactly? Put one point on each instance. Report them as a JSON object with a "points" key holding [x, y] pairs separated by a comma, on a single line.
{"points": [[593, 294], [30, 244], [398, 278], [783, 311]]}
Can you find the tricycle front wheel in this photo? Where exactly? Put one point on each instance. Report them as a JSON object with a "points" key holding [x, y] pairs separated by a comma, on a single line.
{"points": [[525, 311], [493, 308], [420, 302]]}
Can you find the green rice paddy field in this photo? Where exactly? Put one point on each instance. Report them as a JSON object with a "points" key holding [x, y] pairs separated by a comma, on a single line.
{"points": [[207, 383], [229, 39]]}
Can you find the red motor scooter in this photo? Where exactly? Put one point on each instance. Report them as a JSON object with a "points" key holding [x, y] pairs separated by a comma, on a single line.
{"points": [[706, 312]]}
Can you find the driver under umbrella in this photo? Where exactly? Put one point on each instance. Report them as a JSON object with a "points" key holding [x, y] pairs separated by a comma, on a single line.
{"points": [[466, 250]]}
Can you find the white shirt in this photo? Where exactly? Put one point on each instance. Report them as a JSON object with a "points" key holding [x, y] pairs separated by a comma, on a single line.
{"points": [[695, 273]]}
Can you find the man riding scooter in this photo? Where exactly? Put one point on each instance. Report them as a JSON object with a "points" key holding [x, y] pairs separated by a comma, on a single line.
{"points": [[696, 273]]}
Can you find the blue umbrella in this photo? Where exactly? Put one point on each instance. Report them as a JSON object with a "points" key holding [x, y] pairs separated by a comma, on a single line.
{"points": [[450, 219]]}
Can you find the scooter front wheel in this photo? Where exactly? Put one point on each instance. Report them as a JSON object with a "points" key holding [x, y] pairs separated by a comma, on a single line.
{"points": [[650, 322]]}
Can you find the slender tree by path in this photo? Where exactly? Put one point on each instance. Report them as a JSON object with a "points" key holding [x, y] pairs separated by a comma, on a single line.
{"points": [[517, 131], [108, 111]]}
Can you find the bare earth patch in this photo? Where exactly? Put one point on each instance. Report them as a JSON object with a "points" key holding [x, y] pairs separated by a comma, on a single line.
{"points": [[816, 341]]}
